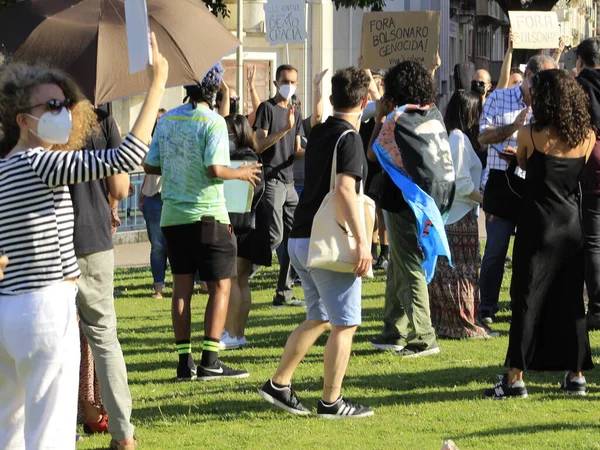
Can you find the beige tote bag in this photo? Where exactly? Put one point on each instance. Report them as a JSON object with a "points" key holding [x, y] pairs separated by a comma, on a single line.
{"points": [[332, 245]]}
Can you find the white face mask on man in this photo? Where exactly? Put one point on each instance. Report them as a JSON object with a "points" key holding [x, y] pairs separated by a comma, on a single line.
{"points": [[287, 91], [54, 128]]}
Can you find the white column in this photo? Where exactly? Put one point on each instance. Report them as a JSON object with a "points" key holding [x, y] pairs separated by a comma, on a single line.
{"points": [[240, 59], [321, 37]]}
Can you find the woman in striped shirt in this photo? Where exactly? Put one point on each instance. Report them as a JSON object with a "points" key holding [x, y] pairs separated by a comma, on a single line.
{"points": [[39, 341]]}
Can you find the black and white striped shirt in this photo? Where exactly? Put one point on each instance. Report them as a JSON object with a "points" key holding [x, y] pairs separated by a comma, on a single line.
{"points": [[36, 213]]}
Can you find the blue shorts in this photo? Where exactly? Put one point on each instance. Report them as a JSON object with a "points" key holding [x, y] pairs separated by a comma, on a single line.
{"points": [[330, 296]]}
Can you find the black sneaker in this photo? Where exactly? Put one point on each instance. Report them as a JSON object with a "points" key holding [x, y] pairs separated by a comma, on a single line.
{"points": [[187, 371], [280, 302], [285, 398], [411, 351], [575, 386], [503, 390], [385, 343], [342, 409], [218, 371], [381, 263]]}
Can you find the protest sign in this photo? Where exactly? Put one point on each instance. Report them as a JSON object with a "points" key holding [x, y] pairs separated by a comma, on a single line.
{"points": [[238, 193], [392, 37], [138, 35], [285, 22], [534, 30]]}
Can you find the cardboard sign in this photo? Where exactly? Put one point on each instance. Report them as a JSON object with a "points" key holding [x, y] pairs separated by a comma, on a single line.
{"points": [[285, 22], [138, 35], [392, 37], [534, 30]]}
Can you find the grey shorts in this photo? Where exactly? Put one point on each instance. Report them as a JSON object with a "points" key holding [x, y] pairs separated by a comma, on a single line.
{"points": [[330, 296]]}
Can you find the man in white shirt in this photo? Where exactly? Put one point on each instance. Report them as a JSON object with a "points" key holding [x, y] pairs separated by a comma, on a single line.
{"points": [[504, 113]]}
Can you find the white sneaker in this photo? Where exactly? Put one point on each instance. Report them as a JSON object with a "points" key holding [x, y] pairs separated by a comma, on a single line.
{"points": [[231, 343]]}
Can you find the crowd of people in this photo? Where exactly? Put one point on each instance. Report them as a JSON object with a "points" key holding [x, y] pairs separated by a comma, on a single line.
{"points": [[524, 155]]}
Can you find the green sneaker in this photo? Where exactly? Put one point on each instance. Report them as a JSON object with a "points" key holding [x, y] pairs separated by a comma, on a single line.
{"points": [[280, 302], [387, 343]]}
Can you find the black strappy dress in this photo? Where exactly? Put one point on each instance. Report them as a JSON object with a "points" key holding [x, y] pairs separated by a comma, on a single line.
{"points": [[548, 329]]}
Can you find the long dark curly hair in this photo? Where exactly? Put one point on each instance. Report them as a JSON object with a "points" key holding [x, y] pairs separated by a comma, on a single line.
{"points": [[559, 101], [409, 82]]}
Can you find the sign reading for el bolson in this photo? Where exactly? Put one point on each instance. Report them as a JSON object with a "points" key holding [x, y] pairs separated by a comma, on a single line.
{"points": [[392, 37], [285, 22]]}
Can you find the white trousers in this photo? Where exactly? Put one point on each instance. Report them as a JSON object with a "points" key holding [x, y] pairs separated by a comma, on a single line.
{"points": [[39, 369]]}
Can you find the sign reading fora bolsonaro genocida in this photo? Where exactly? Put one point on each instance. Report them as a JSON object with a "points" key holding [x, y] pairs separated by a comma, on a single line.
{"points": [[534, 30], [285, 22], [392, 37]]}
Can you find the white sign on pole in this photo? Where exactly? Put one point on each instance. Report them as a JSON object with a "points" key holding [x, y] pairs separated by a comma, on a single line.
{"points": [[285, 22], [138, 35]]}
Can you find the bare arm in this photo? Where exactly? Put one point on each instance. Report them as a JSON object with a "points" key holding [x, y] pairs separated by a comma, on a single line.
{"points": [[142, 129], [506, 64], [476, 195], [264, 141], [557, 53], [254, 98], [317, 112], [347, 202], [118, 186], [224, 108], [3, 264], [246, 172], [495, 135], [437, 62]]}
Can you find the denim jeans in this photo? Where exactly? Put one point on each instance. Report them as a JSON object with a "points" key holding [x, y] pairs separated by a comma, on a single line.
{"points": [[498, 232], [152, 208]]}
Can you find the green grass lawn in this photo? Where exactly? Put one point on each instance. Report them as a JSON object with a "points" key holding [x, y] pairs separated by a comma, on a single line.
{"points": [[418, 403]]}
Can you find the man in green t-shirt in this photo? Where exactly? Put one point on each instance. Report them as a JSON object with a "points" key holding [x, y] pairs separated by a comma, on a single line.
{"points": [[190, 149]]}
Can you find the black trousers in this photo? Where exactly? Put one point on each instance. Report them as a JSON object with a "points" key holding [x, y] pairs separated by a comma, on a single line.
{"points": [[591, 227]]}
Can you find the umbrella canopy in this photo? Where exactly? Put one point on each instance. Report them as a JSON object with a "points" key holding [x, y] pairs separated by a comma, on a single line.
{"points": [[88, 39]]}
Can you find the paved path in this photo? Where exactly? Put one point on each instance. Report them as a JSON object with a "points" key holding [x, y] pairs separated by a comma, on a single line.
{"points": [[132, 255], [138, 255]]}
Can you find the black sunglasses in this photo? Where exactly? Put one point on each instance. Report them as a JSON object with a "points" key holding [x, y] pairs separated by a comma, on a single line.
{"points": [[479, 83], [54, 106]]}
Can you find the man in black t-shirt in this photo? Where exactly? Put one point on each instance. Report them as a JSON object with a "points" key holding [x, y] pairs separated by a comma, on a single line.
{"points": [[95, 303], [278, 128], [332, 298]]}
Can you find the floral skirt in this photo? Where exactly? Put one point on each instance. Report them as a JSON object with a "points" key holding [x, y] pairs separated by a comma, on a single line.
{"points": [[454, 292], [89, 390]]}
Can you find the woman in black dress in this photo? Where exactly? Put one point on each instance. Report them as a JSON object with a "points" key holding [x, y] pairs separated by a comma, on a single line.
{"points": [[252, 237], [548, 328]]}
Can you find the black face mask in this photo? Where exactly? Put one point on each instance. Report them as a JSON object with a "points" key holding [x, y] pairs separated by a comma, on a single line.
{"points": [[478, 87]]}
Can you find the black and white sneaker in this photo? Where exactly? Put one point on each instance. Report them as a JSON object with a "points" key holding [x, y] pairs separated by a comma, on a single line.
{"points": [[284, 398], [218, 371], [410, 351], [384, 343], [573, 386], [342, 409], [504, 390], [187, 371]]}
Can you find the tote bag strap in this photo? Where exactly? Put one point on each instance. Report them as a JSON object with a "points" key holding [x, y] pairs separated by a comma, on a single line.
{"points": [[334, 163]]}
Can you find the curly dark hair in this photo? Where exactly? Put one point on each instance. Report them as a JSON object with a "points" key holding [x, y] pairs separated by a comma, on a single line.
{"points": [[409, 82], [559, 101]]}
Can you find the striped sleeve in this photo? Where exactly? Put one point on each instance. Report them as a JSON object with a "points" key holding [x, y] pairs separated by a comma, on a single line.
{"points": [[59, 168]]}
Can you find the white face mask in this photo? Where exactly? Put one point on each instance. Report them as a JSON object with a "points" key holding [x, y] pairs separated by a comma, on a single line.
{"points": [[287, 91], [54, 129]]}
